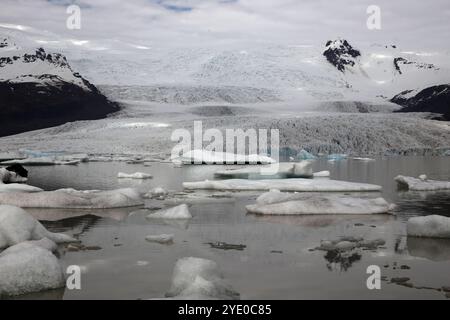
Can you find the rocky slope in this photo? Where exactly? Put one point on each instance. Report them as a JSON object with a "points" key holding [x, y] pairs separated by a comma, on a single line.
{"points": [[39, 89]]}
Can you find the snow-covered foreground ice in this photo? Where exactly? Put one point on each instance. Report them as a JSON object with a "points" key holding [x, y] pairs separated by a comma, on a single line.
{"points": [[433, 226], [303, 185], [76, 199], [16, 226], [279, 203], [199, 279], [178, 212], [30, 267], [421, 183], [216, 157], [136, 175]]}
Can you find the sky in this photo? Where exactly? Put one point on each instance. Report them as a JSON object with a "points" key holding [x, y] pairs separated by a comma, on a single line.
{"points": [[146, 23]]}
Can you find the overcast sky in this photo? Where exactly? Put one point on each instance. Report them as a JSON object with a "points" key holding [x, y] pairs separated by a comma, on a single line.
{"points": [[145, 23]]}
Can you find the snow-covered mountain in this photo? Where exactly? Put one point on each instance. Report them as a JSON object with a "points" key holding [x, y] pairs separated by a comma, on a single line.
{"points": [[39, 89]]}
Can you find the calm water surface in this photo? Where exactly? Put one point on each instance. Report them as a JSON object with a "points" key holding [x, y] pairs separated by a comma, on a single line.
{"points": [[277, 262]]}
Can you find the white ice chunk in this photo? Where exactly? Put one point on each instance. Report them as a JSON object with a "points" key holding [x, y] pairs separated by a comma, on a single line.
{"points": [[178, 212], [161, 238], [157, 192], [43, 161], [217, 157], [363, 159], [433, 226], [29, 268], [301, 169], [416, 184], [75, 199], [196, 278], [16, 226], [324, 173], [297, 184], [279, 203], [17, 187], [136, 175]]}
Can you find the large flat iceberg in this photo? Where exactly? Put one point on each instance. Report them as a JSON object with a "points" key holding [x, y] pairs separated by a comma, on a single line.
{"points": [[421, 183], [301, 169], [280, 203], [16, 226], [75, 199], [433, 226], [199, 279], [217, 157], [297, 184]]}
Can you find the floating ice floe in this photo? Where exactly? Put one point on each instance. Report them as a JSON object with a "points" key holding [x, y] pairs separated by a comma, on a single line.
{"points": [[421, 183], [279, 203], [217, 157], [157, 193], [17, 187], [433, 226], [199, 279], [349, 243], [43, 161], [282, 170], [196, 198], [296, 184], [29, 267], [16, 226], [162, 238], [305, 155], [336, 157], [7, 176], [75, 199], [321, 174], [178, 212], [363, 159], [136, 175]]}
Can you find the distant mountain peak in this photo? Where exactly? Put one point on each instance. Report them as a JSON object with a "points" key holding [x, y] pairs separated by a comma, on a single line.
{"points": [[340, 53]]}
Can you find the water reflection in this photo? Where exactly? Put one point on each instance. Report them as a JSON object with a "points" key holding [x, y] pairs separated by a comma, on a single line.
{"points": [[431, 249]]}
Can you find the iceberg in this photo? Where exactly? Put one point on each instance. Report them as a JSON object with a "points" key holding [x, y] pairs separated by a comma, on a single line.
{"points": [[295, 184], [42, 161], [321, 174], [7, 176], [16, 226], [421, 184], [74, 199], [199, 279], [17, 187], [433, 226], [284, 170], [162, 238], [279, 203], [136, 175], [217, 157], [305, 155], [178, 212], [29, 267], [157, 193]]}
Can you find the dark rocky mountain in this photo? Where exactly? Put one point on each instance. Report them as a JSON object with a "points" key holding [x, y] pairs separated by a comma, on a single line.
{"points": [[340, 54], [434, 99], [40, 89]]}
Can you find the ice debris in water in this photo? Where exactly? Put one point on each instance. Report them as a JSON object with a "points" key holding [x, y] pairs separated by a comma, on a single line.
{"points": [[305, 155], [301, 169], [433, 226], [75, 199], [157, 193], [136, 175], [216, 157], [281, 203], [161, 238], [198, 279], [421, 184], [295, 184], [16, 226], [178, 212], [350, 243]]}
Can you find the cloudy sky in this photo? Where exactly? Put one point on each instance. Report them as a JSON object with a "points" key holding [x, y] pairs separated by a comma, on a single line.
{"points": [[145, 23]]}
